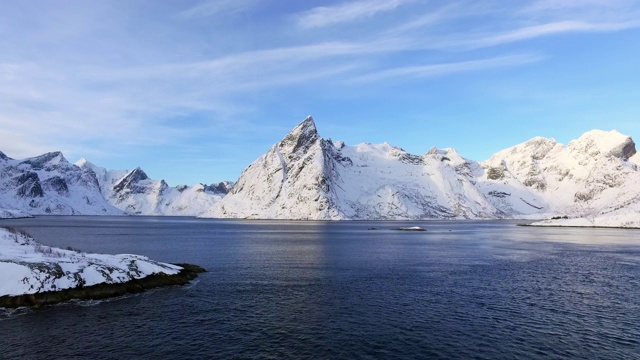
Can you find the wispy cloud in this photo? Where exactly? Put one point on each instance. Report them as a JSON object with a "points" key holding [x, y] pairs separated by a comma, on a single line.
{"points": [[573, 5], [217, 7], [430, 18], [536, 31], [346, 12], [431, 70]]}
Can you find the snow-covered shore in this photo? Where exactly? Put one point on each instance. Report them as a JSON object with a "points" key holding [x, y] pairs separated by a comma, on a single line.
{"points": [[628, 221], [28, 267]]}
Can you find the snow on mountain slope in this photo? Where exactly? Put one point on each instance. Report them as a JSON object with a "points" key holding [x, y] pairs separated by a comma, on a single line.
{"points": [[307, 177], [593, 177], [135, 193], [106, 178], [291, 181], [385, 182], [49, 185], [27, 267], [304, 176]]}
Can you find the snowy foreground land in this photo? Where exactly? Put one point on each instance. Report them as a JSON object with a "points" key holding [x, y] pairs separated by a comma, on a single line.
{"points": [[28, 267]]}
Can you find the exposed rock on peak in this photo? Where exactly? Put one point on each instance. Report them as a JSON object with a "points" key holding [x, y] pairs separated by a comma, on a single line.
{"points": [[222, 187], [538, 147], [4, 157], [130, 180], [297, 170], [300, 138], [627, 151], [606, 143], [46, 161]]}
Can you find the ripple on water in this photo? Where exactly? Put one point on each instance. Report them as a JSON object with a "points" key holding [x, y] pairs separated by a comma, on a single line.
{"points": [[338, 291]]}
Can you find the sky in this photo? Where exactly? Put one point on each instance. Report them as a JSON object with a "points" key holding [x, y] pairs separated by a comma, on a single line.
{"points": [[194, 91]]}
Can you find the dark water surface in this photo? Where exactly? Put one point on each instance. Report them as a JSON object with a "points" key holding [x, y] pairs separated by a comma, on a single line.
{"points": [[461, 290]]}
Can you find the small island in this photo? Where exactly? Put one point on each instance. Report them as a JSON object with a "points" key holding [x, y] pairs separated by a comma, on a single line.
{"points": [[32, 274]]}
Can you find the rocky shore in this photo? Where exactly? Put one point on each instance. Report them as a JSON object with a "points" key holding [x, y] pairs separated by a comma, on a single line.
{"points": [[33, 274], [104, 290]]}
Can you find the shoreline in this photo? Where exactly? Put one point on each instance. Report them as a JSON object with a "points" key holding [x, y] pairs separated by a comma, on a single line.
{"points": [[103, 290], [581, 227]]}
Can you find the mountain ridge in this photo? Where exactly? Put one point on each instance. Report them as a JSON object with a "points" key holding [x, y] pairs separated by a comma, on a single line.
{"points": [[538, 178], [305, 176]]}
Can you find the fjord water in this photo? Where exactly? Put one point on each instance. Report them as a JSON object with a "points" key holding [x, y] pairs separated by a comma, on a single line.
{"points": [[275, 289]]}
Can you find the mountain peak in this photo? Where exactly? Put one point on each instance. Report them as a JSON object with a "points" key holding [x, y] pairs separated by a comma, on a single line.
{"points": [[3, 156], [45, 160], [138, 174], [608, 143], [301, 137], [83, 163], [128, 181]]}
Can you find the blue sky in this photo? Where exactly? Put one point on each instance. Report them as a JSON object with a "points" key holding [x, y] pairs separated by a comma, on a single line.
{"points": [[194, 91]]}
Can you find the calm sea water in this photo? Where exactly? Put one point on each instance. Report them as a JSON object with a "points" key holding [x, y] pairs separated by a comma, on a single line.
{"points": [[461, 290]]}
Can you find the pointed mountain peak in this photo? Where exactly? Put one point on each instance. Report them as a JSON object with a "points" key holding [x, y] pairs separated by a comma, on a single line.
{"points": [[138, 174], [301, 137], [608, 143], [134, 176], [307, 126], [84, 163], [433, 151]]}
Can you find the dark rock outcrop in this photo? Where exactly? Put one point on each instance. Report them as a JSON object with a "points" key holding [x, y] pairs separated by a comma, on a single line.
{"points": [[43, 161], [221, 188], [130, 180], [28, 185], [628, 149], [57, 184]]}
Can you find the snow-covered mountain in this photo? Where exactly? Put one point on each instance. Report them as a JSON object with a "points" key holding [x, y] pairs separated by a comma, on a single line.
{"points": [[307, 177], [135, 193], [49, 185], [591, 181], [593, 178]]}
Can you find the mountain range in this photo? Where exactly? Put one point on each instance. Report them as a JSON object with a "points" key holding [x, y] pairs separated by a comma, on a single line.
{"points": [[49, 185], [592, 181]]}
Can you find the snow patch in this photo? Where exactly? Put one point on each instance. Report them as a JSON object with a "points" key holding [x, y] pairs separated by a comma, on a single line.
{"points": [[28, 267]]}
